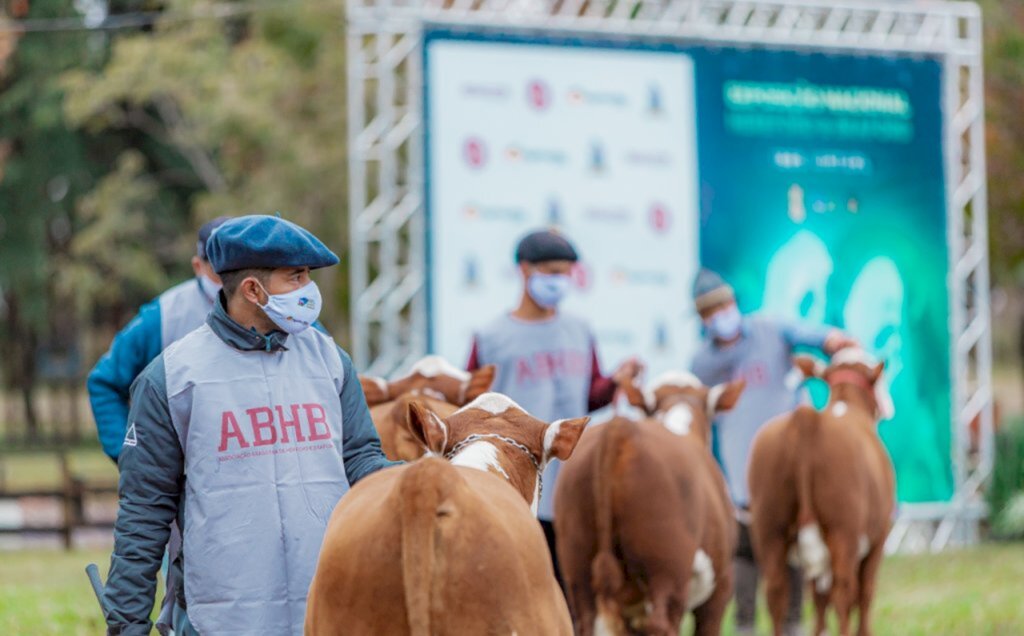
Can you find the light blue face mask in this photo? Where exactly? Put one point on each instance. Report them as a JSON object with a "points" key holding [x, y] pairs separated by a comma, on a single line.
{"points": [[725, 324], [547, 290]]}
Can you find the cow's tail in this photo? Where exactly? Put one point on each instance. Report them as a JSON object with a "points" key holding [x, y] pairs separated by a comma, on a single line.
{"points": [[811, 547], [424, 490], [606, 574]]}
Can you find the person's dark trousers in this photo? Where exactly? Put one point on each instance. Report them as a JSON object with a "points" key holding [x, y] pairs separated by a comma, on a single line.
{"points": [[746, 576], [549, 535]]}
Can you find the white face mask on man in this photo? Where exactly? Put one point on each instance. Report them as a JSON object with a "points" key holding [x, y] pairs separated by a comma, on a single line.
{"points": [[209, 288], [296, 310], [725, 324]]}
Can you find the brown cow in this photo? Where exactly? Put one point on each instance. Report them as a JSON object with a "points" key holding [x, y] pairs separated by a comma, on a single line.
{"points": [[433, 383], [643, 519], [822, 492], [448, 548]]}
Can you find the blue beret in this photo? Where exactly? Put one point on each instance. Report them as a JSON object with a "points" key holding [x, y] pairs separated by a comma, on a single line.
{"points": [[260, 240], [545, 245]]}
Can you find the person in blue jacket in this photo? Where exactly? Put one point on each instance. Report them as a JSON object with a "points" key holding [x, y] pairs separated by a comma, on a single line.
{"points": [[247, 431], [159, 322]]}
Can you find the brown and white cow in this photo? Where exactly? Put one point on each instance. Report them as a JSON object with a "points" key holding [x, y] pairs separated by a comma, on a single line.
{"points": [[643, 521], [435, 547], [822, 492], [432, 382]]}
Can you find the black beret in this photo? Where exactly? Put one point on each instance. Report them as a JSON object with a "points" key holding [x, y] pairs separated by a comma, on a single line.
{"points": [[260, 240], [545, 245]]}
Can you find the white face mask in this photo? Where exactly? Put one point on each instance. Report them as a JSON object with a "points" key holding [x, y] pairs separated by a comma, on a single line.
{"points": [[296, 310], [209, 288]]}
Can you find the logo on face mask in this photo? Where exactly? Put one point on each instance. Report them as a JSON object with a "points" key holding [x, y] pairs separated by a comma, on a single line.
{"points": [[296, 310]]}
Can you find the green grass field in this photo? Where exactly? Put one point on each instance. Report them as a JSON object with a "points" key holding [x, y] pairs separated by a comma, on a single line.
{"points": [[976, 592]]}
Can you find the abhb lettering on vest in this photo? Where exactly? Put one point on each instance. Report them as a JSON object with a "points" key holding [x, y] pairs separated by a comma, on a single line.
{"points": [[265, 426]]}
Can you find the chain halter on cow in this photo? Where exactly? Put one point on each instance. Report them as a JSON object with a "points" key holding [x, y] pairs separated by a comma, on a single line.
{"points": [[477, 437]]}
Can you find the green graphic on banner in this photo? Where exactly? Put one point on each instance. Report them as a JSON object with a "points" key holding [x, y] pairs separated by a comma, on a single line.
{"points": [[823, 199]]}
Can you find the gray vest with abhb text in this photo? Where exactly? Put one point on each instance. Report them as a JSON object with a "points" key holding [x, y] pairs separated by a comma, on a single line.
{"points": [[262, 437], [545, 367], [183, 308]]}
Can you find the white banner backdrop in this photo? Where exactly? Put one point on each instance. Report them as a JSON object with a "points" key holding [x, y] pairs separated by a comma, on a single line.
{"points": [[598, 142]]}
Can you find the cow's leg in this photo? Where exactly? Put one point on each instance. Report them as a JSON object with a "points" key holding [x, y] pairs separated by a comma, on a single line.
{"points": [[584, 611], [844, 579], [709, 615], [868, 579], [667, 598], [820, 609], [775, 572]]}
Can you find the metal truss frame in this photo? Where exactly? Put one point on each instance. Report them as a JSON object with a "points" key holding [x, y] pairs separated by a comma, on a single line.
{"points": [[387, 189]]}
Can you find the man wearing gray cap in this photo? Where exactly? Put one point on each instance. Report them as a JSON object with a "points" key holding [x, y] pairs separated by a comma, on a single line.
{"points": [[247, 431], [759, 350]]}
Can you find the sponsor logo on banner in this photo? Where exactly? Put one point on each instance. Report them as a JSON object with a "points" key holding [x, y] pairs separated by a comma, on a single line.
{"points": [[538, 95], [475, 212], [474, 152], [597, 159], [660, 218], [581, 276], [654, 106], [607, 215], [647, 277], [583, 96], [649, 158], [551, 156], [471, 271], [555, 216], [485, 91], [660, 335]]}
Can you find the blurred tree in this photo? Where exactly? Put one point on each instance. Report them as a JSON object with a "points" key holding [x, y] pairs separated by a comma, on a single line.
{"points": [[251, 107], [1004, 80]]}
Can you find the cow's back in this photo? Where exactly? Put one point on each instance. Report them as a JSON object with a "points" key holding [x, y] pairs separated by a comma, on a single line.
{"points": [[487, 572]]}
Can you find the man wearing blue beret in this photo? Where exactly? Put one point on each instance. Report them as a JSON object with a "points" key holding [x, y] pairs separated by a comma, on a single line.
{"points": [[247, 431]]}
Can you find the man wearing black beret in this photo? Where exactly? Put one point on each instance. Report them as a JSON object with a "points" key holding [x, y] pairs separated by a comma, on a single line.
{"points": [[547, 360], [247, 431]]}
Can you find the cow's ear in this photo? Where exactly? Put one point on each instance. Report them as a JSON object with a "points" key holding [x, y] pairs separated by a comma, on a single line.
{"points": [[723, 397], [636, 397], [811, 367], [427, 428], [479, 382], [375, 389], [561, 437], [876, 373]]}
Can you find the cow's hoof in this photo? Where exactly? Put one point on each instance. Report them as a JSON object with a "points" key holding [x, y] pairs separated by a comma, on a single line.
{"points": [[793, 629]]}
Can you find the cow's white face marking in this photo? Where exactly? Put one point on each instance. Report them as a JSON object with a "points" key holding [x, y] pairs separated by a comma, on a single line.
{"points": [[678, 419], [602, 627], [482, 456], [493, 403], [681, 379], [433, 366], [702, 580], [430, 393], [853, 355], [840, 409]]}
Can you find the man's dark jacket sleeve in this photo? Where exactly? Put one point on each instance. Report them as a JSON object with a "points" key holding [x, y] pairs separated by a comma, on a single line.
{"points": [[151, 463], [360, 443]]}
